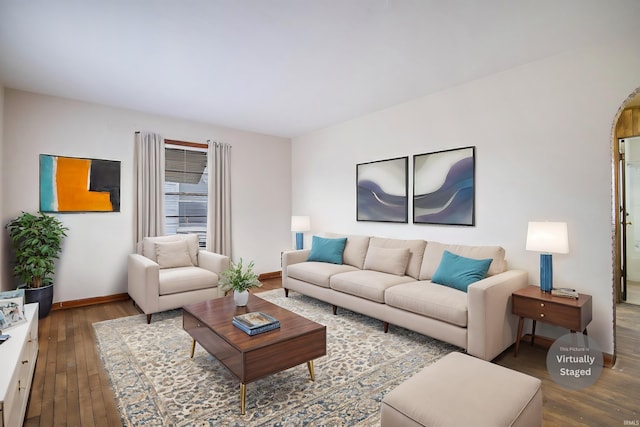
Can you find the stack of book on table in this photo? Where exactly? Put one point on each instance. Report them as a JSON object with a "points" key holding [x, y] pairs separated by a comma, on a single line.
{"points": [[565, 293], [255, 323]]}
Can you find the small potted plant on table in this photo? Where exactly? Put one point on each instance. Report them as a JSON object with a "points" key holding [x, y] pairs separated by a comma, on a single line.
{"points": [[240, 280], [37, 241]]}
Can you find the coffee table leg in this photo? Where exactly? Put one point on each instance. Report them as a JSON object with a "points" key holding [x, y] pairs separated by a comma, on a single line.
{"points": [[193, 348], [310, 366], [243, 397]]}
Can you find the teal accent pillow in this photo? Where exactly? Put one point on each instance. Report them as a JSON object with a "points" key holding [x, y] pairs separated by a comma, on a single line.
{"points": [[459, 272], [327, 250]]}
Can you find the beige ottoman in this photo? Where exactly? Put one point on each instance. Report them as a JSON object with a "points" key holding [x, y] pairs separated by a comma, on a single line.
{"points": [[461, 390]]}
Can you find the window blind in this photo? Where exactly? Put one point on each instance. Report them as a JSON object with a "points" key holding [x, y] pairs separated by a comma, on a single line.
{"points": [[184, 166]]}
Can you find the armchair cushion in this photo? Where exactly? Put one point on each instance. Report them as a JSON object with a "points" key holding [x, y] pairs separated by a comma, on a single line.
{"points": [[184, 279], [173, 254], [149, 247]]}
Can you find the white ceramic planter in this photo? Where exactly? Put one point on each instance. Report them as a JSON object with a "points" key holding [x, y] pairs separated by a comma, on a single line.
{"points": [[241, 298]]}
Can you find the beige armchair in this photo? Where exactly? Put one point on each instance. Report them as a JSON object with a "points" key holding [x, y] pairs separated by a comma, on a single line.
{"points": [[171, 271]]}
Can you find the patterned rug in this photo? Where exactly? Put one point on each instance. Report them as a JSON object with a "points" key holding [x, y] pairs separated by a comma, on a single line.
{"points": [[157, 384]]}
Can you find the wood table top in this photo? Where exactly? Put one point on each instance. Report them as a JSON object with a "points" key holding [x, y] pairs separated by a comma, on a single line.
{"points": [[217, 314]]}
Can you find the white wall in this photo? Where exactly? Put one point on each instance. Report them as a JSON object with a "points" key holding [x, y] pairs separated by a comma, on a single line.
{"points": [[4, 283], [542, 134], [93, 262]]}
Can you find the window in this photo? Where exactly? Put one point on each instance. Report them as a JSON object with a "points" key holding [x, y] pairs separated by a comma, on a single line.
{"points": [[186, 189]]}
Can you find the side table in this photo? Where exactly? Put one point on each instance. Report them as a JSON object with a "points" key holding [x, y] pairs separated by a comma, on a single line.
{"points": [[532, 303]]}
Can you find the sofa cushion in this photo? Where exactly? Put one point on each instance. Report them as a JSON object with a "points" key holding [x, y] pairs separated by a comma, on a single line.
{"points": [[149, 249], [431, 300], [184, 279], [327, 250], [173, 254], [355, 250], [387, 260], [366, 284], [317, 273], [416, 249], [433, 256], [459, 272]]}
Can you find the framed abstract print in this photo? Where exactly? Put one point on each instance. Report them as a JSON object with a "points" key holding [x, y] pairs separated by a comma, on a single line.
{"points": [[72, 184], [382, 190], [444, 187]]}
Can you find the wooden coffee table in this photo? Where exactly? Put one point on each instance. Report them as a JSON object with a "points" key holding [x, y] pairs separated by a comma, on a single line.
{"points": [[249, 358]]}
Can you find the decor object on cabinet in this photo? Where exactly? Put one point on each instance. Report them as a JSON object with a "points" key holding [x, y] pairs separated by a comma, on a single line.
{"points": [[37, 242], [547, 237], [382, 190], [444, 187], [300, 224], [72, 184], [11, 308], [240, 280]]}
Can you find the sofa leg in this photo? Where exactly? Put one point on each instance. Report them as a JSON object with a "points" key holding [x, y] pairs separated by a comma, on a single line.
{"points": [[148, 319], [385, 325], [335, 309], [286, 292]]}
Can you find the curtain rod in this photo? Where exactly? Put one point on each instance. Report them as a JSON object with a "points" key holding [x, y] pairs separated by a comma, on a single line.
{"points": [[189, 143]]}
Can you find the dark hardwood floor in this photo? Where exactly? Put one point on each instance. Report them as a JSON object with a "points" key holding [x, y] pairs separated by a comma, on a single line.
{"points": [[612, 400], [70, 387]]}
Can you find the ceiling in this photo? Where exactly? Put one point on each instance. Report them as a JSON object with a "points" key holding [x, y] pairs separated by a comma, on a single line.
{"points": [[283, 67]]}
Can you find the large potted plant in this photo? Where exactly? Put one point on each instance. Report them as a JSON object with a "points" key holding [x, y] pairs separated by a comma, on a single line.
{"points": [[240, 280], [37, 242]]}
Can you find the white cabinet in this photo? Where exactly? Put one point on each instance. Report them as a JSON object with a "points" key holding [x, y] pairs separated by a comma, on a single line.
{"points": [[17, 362]]}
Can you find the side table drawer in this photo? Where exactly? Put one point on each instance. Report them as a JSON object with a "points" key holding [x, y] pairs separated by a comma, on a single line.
{"points": [[550, 312]]}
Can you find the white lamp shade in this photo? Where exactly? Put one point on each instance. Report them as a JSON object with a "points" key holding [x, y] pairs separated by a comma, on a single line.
{"points": [[549, 237], [300, 223]]}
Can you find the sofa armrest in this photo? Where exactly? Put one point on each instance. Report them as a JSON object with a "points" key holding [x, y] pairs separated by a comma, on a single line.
{"points": [[292, 257], [144, 282], [491, 327], [213, 262]]}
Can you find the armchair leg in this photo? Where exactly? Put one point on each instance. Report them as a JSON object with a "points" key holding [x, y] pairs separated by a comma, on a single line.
{"points": [[286, 292], [385, 326], [335, 309], [148, 319]]}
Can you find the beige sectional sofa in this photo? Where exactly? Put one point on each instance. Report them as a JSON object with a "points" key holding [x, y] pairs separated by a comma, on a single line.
{"points": [[390, 280]]}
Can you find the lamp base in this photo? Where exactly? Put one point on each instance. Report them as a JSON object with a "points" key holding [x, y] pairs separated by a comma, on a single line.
{"points": [[299, 240], [546, 273]]}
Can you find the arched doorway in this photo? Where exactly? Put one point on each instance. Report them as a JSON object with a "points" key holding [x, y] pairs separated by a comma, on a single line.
{"points": [[626, 203], [625, 126]]}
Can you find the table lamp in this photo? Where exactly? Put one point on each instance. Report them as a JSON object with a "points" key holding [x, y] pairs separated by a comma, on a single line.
{"points": [[547, 237], [299, 224]]}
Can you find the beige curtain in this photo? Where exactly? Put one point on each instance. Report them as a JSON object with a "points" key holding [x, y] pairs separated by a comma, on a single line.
{"points": [[149, 208], [219, 209]]}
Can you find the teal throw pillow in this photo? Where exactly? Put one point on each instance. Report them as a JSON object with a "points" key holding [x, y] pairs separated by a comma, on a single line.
{"points": [[459, 272], [327, 250]]}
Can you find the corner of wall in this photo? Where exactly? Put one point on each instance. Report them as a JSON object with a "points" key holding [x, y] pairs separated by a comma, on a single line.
{"points": [[4, 282]]}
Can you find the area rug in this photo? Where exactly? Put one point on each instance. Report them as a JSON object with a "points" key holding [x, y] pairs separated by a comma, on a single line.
{"points": [[157, 384]]}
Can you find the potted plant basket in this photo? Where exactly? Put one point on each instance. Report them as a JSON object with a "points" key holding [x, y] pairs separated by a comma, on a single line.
{"points": [[240, 280], [37, 242]]}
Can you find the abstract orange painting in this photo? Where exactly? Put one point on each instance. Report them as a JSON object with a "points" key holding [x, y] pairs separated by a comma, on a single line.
{"points": [[73, 184]]}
